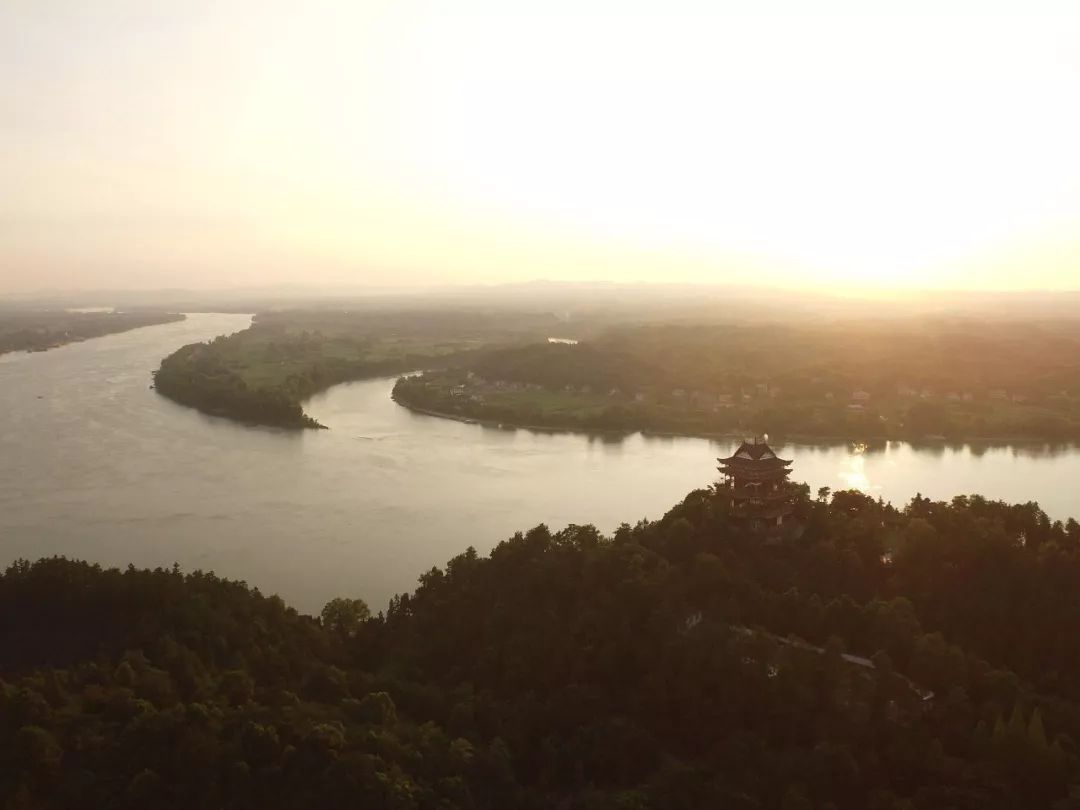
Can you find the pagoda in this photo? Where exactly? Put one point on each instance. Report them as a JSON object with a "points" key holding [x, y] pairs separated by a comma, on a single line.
{"points": [[756, 479]]}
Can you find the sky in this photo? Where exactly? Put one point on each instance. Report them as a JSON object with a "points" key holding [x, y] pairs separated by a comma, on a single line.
{"points": [[864, 146]]}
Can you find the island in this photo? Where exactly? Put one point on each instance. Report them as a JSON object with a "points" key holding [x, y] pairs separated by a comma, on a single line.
{"points": [[902, 379], [880, 657], [262, 375], [37, 330]]}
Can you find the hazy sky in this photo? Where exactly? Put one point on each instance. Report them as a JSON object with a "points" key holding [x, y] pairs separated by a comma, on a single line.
{"points": [[188, 143]]}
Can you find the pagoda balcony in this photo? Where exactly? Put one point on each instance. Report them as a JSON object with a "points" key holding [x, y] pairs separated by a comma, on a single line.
{"points": [[752, 493], [772, 474]]}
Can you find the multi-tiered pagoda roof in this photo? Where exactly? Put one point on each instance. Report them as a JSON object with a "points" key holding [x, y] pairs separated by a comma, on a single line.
{"points": [[755, 479], [755, 461]]}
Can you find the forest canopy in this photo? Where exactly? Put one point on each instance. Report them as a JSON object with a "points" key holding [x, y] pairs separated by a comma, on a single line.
{"points": [[921, 657]]}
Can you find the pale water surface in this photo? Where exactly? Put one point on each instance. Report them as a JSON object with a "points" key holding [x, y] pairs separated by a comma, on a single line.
{"points": [[95, 465]]}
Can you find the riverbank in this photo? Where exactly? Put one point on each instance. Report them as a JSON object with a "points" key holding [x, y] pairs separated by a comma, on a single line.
{"points": [[42, 330], [1007, 383], [468, 420], [735, 435]]}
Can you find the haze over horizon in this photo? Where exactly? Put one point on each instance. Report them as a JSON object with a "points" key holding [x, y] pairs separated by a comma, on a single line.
{"points": [[231, 144]]}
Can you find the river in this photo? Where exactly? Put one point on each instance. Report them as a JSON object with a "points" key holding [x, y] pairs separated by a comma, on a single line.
{"points": [[95, 465]]}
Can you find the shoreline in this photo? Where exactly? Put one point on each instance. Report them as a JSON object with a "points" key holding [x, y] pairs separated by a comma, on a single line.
{"points": [[175, 317], [794, 438], [222, 413]]}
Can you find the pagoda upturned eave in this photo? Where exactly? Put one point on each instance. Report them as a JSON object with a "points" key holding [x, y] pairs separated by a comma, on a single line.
{"points": [[755, 463], [744, 461], [754, 454]]}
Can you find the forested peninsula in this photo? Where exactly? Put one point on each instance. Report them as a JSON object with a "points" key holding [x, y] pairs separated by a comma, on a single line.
{"points": [[33, 330], [913, 379], [263, 374], [902, 379], [883, 659]]}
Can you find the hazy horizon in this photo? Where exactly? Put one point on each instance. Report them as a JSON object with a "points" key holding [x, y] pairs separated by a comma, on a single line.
{"points": [[331, 290], [228, 145]]}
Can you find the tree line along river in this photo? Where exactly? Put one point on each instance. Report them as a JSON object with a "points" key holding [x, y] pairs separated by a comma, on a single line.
{"points": [[95, 465]]}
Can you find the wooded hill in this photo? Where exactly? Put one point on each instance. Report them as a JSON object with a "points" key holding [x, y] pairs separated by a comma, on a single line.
{"points": [[680, 663]]}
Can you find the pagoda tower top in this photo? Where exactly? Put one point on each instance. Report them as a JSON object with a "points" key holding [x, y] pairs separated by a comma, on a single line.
{"points": [[755, 461]]}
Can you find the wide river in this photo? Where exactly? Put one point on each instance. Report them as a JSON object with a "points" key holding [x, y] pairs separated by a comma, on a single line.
{"points": [[95, 465]]}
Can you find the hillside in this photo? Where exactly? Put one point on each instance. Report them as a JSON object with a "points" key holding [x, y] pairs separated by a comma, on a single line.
{"points": [[677, 664]]}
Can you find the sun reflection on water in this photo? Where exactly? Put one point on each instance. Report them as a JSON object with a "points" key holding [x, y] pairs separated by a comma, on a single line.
{"points": [[854, 472]]}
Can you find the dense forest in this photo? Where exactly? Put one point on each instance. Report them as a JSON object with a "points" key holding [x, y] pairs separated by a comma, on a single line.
{"points": [[262, 374], [880, 658], [32, 330], [892, 379]]}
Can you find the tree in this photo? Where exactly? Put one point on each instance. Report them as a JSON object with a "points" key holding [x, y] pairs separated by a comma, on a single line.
{"points": [[37, 749], [1037, 732], [378, 708], [345, 616], [237, 687]]}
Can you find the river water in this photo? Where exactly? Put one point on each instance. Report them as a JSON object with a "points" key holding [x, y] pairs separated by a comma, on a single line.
{"points": [[95, 465]]}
